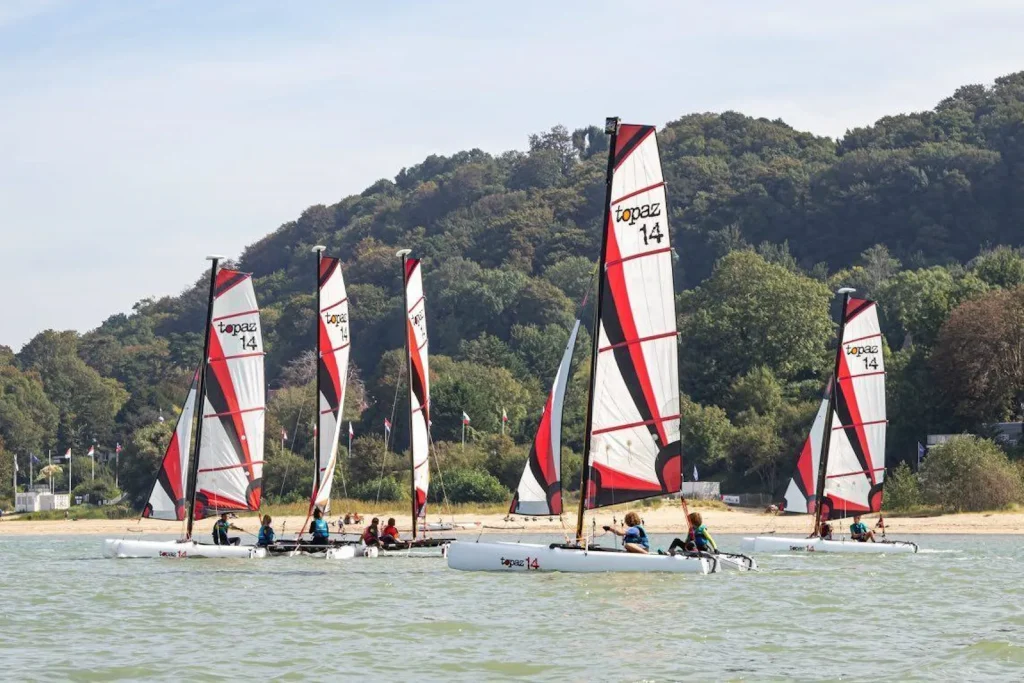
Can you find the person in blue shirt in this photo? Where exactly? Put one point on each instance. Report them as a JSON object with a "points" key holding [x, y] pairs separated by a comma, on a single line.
{"points": [[318, 527], [859, 531], [634, 538], [266, 535], [220, 532]]}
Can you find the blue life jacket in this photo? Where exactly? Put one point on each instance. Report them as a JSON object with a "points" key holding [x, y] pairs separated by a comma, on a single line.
{"points": [[859, 528], [266, 536], [320, 529], [702, 539], [636, 534]]}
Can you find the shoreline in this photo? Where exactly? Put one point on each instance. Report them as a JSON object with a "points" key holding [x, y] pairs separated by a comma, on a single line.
{"points": [[665, 520]]}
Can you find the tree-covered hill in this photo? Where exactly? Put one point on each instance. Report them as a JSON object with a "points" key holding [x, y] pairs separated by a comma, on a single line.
{"points": [[766, 220]]}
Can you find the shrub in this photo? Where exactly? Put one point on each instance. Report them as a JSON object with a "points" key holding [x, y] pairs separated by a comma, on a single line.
{"points": [[902, 490], [469, 486], [388, 488], [971, 474]]}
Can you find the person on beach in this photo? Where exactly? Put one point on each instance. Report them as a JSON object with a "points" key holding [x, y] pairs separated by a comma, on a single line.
{"points": [[371, 535], [859, 531], [389, 536], [266, 536], [699, 538], [318, 527], [220, 532], [634, 538]]}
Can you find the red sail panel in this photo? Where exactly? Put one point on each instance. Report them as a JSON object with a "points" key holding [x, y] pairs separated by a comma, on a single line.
{"points": [[540, 488], [167, 501], [634, 439], [419, 394], [230, 472], [332, 365]]}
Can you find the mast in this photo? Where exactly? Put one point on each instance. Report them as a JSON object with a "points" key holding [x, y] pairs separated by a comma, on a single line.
{"points": [[319, 250], [194, 468], [611, 127], [404, 255], [826, 438]]}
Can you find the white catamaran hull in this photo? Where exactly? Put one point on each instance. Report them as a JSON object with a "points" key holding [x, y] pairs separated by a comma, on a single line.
{"points": [[132, 548], [344, 552], [521, 557], [783, 544]]}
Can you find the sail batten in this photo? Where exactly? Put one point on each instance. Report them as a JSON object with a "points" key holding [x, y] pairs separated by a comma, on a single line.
{"points": [[333, 342], [633, 444], [229, 470]]}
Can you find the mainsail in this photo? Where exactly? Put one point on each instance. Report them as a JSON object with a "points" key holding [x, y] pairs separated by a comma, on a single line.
{"points": [[229, 473], [332, 368], [632, 448], [540, 488], [167, 501], [855, 458], [419, 385], [801, 492]]}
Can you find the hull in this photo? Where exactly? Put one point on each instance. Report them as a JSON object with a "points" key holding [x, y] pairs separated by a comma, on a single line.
{"points": [[344, 552], [522, 557], [736, 562], [783, 544], [131, 548]]}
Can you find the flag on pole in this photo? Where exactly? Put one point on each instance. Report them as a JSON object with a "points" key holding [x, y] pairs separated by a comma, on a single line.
{"points": [[118, 449], [16, 470], [465, 418], [351, 432], [504, 415], [921, 450], [387, 426], [35, 460], [67, 456], [91, 453], [314, 431], [284, 434], [695, 476]]}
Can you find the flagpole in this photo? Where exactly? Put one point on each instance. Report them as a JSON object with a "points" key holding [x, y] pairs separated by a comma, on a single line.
{"points": [[14, 476], [463, 433], [49, 465], [117, 465], [503, 422], [69, 477], [93, 456], [31, 470]]}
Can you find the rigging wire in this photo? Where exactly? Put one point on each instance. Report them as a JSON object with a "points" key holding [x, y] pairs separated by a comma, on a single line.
{"points": [[388, 433]]}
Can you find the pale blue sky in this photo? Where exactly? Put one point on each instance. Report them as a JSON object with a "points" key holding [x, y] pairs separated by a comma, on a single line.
{"points": [[138, 136]]}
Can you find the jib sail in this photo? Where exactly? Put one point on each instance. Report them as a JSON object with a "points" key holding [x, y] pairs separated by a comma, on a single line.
{"points": [[167, 501], [540, 488], [801, 493]]}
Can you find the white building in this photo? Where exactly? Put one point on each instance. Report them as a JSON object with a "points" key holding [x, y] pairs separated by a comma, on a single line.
{"points": [[38, 501]]}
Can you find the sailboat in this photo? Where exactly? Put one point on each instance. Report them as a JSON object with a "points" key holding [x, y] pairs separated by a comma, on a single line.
{"points": [[226, 469], [841, 468], [632, 448], [332, 353]]}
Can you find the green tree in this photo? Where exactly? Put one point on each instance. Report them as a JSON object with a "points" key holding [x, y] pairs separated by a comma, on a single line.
{"points": [[970, 474], [902, 490]]}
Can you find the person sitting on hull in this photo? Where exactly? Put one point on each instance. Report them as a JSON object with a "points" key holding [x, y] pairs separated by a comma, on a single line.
{"points": [[859, 531], [318, 527], [824, 531], [389, 536], [634, 538], [698, 539], [371, 536], [220, 531], [266, 535]]}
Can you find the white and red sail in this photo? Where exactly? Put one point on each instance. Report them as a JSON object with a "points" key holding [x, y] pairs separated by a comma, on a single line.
{"points": [[167, 501], [419, 385], [540, 488], [634, 445], [230, 468], [855, 466], [801, 493], [332, 353]]}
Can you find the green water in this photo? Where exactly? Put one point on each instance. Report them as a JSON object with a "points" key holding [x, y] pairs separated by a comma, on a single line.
{"points": [[953, 612]]}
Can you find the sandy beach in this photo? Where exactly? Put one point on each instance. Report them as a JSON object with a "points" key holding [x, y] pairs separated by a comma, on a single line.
{"points": [[666, 519]]}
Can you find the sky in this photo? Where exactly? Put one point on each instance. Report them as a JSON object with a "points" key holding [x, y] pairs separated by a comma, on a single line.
{"points": [[138, 136]]}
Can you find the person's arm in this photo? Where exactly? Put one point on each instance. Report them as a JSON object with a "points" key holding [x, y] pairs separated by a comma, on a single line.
{"points": [[615, 531]]}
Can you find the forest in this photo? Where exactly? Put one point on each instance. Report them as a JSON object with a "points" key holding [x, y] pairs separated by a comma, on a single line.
{"points": [[923, 212]]}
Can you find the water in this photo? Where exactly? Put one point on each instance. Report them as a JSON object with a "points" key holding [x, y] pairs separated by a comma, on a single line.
{"points": [[954, 611]]}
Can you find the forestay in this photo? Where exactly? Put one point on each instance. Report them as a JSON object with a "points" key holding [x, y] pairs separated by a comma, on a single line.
{"points": [[855, 468], [230, 467], [540, 488], [332, 353], [634, 446], [801, 493], [167, 501], [419, 384]]}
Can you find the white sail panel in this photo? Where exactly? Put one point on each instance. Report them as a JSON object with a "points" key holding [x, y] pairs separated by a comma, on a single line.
{"points": [[230, 468], [333, 352], [802, 488], [856, 461], [167, 501], [634, 437], [419, 394], [540, 488]]}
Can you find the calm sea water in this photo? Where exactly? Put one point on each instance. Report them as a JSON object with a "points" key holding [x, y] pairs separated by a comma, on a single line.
{"points": [[953, 612]]}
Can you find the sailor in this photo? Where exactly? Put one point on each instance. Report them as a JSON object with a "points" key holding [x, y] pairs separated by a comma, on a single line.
{"points": [[266, 535], [824, 530], [220, 531], [318, 527], [389, 536], [634, 538], [859, 531], [371, 536], [699, 538]]}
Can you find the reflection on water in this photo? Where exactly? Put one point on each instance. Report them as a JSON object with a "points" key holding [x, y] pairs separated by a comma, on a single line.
{"points": [[951, 612]]}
